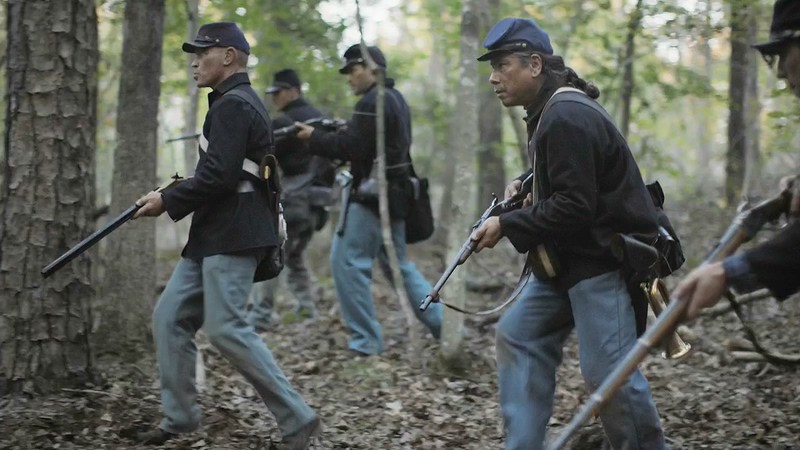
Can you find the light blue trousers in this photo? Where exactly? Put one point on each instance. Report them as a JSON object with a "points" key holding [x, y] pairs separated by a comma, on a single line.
{"points": [[530, 337], [213, 294], [352, 258]]}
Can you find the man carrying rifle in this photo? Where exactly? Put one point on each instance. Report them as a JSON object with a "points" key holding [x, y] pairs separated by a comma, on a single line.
{"points": [[587, 188], [232, 231], [305, 179], [774, 264], [359, 242]]}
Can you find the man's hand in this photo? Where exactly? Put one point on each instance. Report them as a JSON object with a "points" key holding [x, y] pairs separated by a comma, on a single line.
{"points": [[303, 131], [151, 205], [702, 288], [512, 189], [488, 234]]}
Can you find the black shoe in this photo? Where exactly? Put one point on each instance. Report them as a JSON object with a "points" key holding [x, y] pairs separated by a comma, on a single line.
{"points": [[303, 438], [154, 437]]}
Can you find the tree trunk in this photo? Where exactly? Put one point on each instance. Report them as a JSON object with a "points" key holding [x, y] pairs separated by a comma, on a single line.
{"points": [[190, 114], [47, 196], [465, 140], [752, 167], [704, 123], [742, 56], [627, 68], [491, 164], [521, 133], [130, 280]]}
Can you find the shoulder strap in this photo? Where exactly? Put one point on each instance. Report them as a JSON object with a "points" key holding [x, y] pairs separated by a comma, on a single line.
{"points": [[248, 96], [578, 96]]}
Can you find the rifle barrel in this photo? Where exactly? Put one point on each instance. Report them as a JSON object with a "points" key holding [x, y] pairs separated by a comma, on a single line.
{"points": [[466, 249], [87, 243]]}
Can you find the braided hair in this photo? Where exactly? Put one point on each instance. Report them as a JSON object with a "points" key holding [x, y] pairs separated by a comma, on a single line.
{"points": [[554, 67]]}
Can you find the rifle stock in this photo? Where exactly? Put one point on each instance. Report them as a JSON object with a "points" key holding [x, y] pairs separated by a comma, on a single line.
{"points": [[95, 237], [494, 209]]}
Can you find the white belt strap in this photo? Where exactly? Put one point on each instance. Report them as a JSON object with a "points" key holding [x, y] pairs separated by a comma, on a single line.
{"points": [[248, 166]]}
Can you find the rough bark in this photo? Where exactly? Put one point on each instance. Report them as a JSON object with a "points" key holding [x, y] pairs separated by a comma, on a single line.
{"points": [[192, 93], [491, 165], [517, 117], [752, 167], [47, 195], [465, 141], [627, 67], [130, 279], [704, 125], [742, 57]]}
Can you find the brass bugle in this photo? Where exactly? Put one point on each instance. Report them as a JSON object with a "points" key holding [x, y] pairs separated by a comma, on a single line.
{"points": [[675, 347]]}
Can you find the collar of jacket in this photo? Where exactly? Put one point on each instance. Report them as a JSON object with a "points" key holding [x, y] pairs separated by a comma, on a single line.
{"points": [[296, 103], [228, 84], [534, 110], [388, 82]]}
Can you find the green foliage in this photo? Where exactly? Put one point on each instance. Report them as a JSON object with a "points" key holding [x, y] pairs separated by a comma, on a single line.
{"points": [[676, 91], [290, 35]]}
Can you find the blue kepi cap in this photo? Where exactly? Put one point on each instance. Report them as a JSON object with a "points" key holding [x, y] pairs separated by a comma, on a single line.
{"points": [[514, 34], [218, 34]]}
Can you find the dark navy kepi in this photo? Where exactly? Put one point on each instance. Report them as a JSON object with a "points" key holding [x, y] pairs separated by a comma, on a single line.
{"points": [[514, 34]]}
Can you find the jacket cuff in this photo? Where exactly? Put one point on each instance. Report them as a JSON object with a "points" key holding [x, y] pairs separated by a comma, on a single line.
{"points": [[171, 208], [739, 274]]}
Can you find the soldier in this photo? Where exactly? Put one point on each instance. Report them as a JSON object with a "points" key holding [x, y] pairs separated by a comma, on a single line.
{"points": [[774, 264], [229, 236], [304, 178], [360, 243], [587, 187]]}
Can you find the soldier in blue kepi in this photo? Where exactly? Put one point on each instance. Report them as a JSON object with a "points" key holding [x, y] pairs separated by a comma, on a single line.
{"points": [[587, 187], [358, 241], [232, 232], [307, 182]]}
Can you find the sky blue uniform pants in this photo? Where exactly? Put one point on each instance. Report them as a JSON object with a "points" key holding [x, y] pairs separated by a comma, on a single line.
{"points": [[530, 337], [352, 257], [213, 294]]}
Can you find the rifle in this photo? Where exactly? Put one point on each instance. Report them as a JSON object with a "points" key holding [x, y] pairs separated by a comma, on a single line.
{"points": [[95, 237], [743, 228], [495, 208], [185, 137], [318, 122]]}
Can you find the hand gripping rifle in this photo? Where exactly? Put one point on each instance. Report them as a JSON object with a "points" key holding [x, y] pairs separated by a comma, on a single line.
{"points": [[495, 208], [95, 237], [743, 228]]}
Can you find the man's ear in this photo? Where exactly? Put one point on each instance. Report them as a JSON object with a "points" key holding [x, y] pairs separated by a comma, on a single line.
{"points": [[230, 56], [536, 65]]}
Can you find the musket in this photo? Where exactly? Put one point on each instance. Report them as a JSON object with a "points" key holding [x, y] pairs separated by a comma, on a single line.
{"points": [[743, 228], [95, 237], [184, 137], [319, 122], [495, 208]]}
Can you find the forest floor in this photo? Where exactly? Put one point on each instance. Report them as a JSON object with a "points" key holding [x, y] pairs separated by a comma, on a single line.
{"points": [[403, 400]]}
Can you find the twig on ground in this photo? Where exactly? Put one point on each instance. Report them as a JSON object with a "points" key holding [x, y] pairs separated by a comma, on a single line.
{"points": [[725, 307], [91, 391]]}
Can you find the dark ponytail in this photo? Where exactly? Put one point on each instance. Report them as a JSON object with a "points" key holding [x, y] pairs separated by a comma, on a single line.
{"points": [[553, 66]]}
